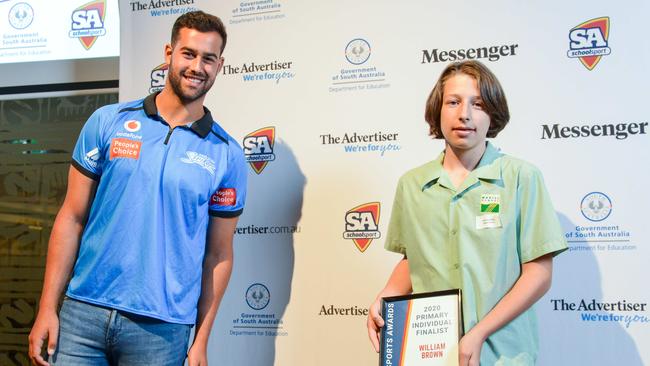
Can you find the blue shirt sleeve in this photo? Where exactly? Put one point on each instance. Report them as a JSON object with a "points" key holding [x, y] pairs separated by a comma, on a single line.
{"points": [[88, 155], [230, 195]]}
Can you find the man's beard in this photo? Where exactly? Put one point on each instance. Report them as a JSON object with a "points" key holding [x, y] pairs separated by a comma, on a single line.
{"points": [[188, 97]]}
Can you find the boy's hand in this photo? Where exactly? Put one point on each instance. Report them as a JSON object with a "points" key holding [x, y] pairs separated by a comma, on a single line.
{"points": [[469, 349], [375, 323]]}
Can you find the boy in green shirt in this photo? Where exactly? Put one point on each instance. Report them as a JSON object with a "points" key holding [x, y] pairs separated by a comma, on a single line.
{"points": [[477, 220]]}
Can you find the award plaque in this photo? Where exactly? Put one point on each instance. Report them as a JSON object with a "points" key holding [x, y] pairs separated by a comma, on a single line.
{"points": [[421, 329]]}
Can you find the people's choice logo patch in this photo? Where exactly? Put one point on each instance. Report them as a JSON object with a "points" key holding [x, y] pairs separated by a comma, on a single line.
{"points": [[224, 197], [125, 148]]}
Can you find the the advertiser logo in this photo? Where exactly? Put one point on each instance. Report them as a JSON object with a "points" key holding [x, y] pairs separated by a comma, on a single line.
{"points": [[358, 72], [357, 142], [158, 8], [258, 319], [88, 22], [598, 233], [275, 71], [21, 15], [362, 225], [258, 148], [625, 312], [332, 310], [257, 11], [589, 42], [489, 53], [267, 230], [125, 148], [158, 78], [224, 197]]}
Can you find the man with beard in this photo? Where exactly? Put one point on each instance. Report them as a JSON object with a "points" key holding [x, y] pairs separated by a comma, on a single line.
{"points": [[146, 228]]}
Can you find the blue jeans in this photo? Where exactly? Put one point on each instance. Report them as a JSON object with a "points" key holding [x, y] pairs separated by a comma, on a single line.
{"points": [[94, 335]]}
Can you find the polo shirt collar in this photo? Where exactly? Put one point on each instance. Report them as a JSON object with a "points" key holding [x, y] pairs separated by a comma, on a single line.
{"points": [[201, 127], [434, 173], [488, 168]]}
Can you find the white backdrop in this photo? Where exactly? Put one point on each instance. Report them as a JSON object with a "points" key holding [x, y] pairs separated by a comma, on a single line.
{"points": [[341, 105]]}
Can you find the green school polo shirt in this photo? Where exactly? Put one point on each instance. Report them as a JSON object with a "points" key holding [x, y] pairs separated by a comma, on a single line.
{"points": [[475, 238]]}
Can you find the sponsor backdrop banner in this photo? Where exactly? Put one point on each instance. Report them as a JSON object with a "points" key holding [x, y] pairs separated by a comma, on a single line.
{"points": [[41, 30], [327, 99]]}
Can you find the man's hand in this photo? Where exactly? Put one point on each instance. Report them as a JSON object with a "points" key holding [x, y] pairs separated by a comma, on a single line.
{"points": [[375, 323], [61, 255], [197, 356], [45, 327]]}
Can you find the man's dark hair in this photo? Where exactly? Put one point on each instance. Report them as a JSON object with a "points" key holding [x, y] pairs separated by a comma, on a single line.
{"points": [[202, 22]]}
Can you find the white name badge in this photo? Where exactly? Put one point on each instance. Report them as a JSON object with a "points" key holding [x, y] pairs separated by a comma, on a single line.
{"points": [[488, 221]]}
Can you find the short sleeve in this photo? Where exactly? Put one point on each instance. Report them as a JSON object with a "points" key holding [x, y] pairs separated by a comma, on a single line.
{"points": [[87, 156], [230, 196], [394, 238], [539, 227]]}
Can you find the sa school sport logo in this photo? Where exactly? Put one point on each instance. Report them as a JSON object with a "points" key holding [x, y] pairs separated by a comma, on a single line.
{"points": [[589, 41], [88, 22], [362, 225], [258, 148], [158, 77]]}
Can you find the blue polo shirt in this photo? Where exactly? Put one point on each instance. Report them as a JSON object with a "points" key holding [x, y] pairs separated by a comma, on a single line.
{"points": [[143, 245]]}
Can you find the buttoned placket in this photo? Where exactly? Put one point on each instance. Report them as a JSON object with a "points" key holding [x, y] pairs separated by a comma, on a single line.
{"points": [[455, 203]]}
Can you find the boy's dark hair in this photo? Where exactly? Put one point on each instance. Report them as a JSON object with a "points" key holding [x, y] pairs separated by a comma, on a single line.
{"points": [[202, 22], [494, 99]]}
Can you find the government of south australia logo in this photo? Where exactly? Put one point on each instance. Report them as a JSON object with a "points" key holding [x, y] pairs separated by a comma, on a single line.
{"points": [[589, 41], [362, 225], [258, 148], [88, 22], [21, 15], [596, 206], [357, 51], [158, 77], [358, 73], [258, 296]]}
